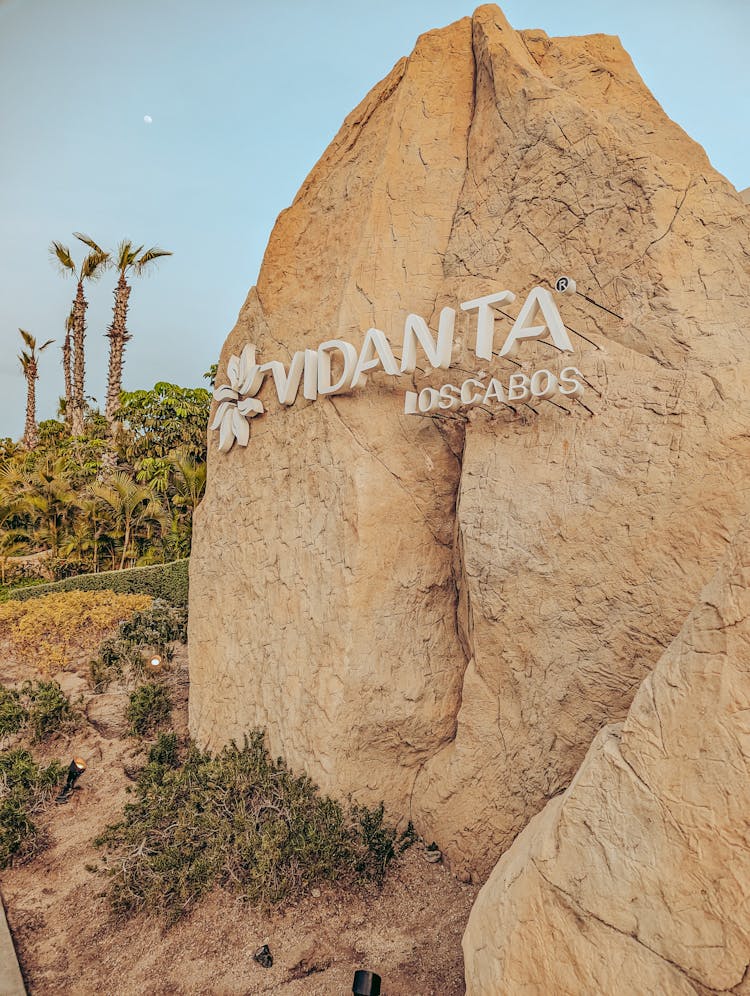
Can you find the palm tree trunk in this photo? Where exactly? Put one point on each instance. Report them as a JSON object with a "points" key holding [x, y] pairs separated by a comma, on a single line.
{"points": [[79, 364], [66, 351], [125, 544], [30, 433], [118, 336]]}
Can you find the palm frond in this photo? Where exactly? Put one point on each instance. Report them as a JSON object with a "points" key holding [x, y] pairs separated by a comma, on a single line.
{"points": [[88, 241], [28, 338], [126, 255], [47, 343], [61, 255], [94, 265], [150, 256]]}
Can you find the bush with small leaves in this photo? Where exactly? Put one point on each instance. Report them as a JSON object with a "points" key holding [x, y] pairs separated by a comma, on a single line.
{"points": [[149, 708], [157, 626], [25, 787], [49, 709], [164, 751], [240, 820], [13, 714]]}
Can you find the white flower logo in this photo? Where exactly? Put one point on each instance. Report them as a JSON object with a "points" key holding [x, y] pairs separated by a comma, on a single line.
{"points": [[236, 401]]}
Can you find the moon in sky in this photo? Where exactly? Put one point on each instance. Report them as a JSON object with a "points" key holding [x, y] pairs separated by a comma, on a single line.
{"points": [[147, 118]]}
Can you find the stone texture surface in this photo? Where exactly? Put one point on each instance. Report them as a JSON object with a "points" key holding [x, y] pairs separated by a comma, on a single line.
{"points": [[637, 878], [442, 614]]}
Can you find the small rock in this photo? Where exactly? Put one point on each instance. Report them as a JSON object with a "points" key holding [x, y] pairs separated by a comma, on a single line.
{"points": [[433, 854], [315, 893], [263, 956]]}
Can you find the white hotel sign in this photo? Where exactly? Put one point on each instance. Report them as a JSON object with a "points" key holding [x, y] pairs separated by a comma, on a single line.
{"points": [[311, 369]]}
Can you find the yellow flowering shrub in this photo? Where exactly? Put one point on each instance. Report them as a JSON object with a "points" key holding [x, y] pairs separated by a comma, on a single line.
{"points": [[51, 630]]}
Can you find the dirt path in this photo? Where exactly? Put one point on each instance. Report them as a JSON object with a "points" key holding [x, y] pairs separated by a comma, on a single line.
{"points": [[69, 943]]}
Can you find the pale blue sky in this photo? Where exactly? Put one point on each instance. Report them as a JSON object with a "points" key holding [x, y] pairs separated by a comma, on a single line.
{"points": [[244, 97]]}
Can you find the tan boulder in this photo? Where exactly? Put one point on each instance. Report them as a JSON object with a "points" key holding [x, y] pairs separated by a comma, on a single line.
{"points": [[442, 614], [637, 878]]}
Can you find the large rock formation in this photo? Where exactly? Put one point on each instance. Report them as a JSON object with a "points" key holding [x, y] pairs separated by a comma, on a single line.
{"points": [[442, 614], [637, 878]]}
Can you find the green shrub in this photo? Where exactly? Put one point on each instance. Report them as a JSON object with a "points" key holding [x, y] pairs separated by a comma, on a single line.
{"points": [[148, 709], [24, 788], [242, 821], [49, 708], [157, 628], [164, 751], [13, 714], [166, 581]]}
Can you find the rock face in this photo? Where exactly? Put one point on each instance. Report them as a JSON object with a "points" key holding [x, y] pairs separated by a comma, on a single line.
{"points": [[442, 613], [637, 878]]}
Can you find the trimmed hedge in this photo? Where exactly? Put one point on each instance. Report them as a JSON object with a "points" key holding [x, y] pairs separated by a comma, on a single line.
{"points": [[167, 581]]}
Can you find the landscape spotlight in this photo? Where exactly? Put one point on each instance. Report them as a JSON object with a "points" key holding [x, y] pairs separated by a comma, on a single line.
{"points": [[75, 769], [366, 983], [155, 662]]}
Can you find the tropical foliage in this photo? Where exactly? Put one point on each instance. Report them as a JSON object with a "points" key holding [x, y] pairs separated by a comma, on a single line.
{"points": [[93, 492], [60, 499]]}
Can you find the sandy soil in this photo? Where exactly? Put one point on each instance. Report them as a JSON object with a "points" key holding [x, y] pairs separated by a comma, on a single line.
{"points": [[68, 942]]}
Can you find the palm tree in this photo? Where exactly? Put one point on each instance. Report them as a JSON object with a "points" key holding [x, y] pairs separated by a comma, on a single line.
{"points": [[67, 350], [48, 498], [128, 259], [132, 505], [189, 481], [29, 359], [92, 267]]}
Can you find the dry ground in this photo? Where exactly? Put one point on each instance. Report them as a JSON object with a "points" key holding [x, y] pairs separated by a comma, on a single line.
{"points": [[68, 942]]}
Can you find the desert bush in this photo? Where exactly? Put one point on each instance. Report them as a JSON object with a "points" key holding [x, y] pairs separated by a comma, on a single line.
{"points": [[49, 708], [149, 708], [39, 709], [25, 787], [52, 629], [242, 821], [157, 627], [164, 753], [13, 714], [166, 581]]}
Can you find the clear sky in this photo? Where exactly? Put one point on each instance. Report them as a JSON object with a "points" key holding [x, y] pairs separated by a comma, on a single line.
{"points": [[244, 96]]}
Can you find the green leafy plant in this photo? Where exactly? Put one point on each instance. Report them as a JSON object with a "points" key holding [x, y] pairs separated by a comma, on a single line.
{"points": [[25, 787], [239, 820], [149, 708], [159, 627], [13, 714], [49, 709], [156, 628]]}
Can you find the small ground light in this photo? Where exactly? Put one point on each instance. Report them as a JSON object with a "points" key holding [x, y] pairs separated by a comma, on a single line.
{"points": [[366, 983], [75, 769], [154, 663]]}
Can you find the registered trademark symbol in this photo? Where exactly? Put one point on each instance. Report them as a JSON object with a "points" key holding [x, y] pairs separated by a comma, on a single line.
{"points": [[565, 285]]}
